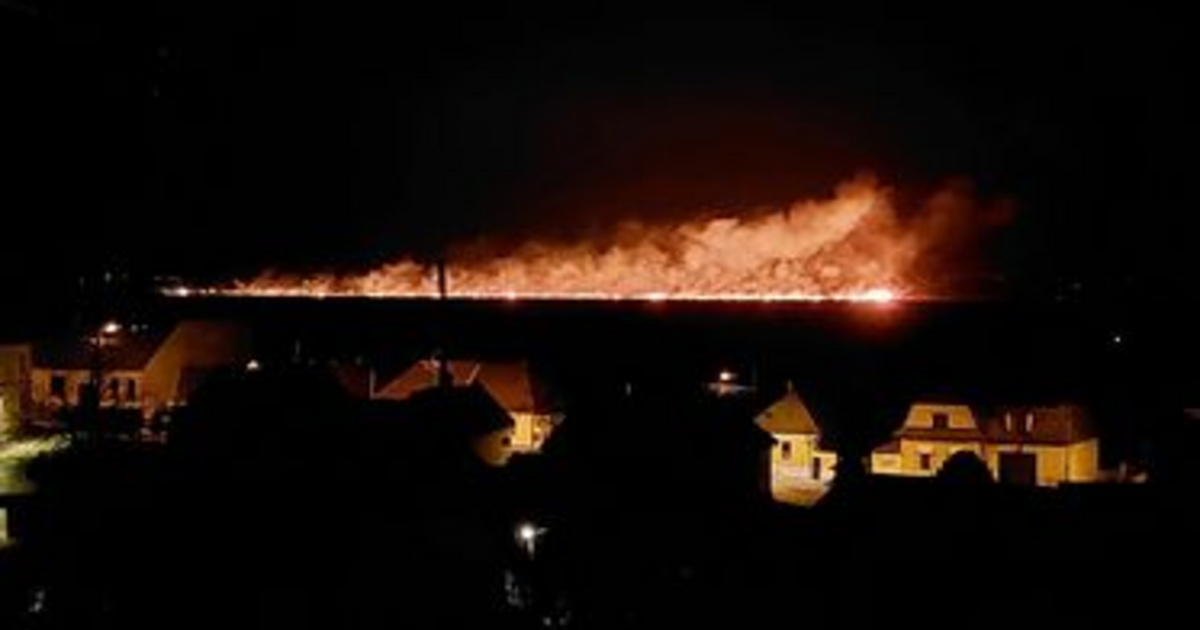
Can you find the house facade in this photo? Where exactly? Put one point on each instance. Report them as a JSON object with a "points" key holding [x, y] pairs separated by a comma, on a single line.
{"points": [[138, 369], [15, 365], [1043, 445], [509, 383], [799, 464]]}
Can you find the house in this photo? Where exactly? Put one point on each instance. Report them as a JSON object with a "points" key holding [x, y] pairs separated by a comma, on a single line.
{"points": [[799, 463], [510, 384], [15, 361], [465, 414], [1046, 445], [1042, 445], [931, 433], [138, 368]]}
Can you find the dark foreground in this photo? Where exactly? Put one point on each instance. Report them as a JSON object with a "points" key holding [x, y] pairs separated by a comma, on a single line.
{"points": [[279, 502]]}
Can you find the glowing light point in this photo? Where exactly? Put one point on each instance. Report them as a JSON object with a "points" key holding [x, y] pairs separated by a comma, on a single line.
{"points": [[253, 365], [527, 536], [111, 328], [726, 376], [879, 296]]}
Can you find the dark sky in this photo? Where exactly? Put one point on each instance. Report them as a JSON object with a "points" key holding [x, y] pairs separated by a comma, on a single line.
{"points": [[209, 138]]}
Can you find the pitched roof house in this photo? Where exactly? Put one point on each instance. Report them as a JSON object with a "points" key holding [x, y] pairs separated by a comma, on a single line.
{"points": [[509, 383], [1041, 445]]}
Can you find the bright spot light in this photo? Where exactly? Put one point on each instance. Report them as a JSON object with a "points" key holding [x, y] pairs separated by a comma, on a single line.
{"points": [[1117, 339], [253, 365], [111, 328], [527, 532], [726, 376], [881, 296]]}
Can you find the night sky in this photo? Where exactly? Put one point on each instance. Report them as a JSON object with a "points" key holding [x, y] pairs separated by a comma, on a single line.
{"points": [[206, 139]]}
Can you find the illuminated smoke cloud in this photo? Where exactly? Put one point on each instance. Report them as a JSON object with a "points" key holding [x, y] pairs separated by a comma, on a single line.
{"points": [[857, 246]]}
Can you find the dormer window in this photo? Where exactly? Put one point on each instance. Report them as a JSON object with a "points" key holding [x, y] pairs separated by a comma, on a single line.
{"points": [[941, 420]]}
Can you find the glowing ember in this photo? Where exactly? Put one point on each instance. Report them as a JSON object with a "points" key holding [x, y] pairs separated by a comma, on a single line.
{"points": [[854, 247]]}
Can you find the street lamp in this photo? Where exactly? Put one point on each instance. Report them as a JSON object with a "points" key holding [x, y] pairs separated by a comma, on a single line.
{"points": [[527, 535]]}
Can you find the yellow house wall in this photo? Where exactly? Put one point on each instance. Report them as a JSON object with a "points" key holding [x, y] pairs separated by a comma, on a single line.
{"points": [[886, 463], [1085, 461], [798, 467], [494, 448], [1055, 463], [123, 377], [530, 430], [829, 460], [15, 364], [40, 385], [940, 451]]}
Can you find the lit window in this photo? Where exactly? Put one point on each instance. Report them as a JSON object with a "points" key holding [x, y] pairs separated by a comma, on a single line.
{"points": [[1029, 422]]}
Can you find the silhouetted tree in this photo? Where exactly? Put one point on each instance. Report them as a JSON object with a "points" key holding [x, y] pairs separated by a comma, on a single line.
{"points": [[964, 468]]}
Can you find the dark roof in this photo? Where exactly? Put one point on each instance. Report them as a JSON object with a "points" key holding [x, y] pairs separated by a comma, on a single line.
{"points": [[75, 351], [508, 382], [356, 379], [1052, 424], [891, 446], [193, 378], [469, 408]]}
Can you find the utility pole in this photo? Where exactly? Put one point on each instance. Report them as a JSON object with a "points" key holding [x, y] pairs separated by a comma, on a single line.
{"points": [[445, 379]]}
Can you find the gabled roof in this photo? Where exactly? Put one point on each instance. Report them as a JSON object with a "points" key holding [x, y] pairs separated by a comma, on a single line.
{"points": [[509, 383], [963, 421], [1052, 424], [76, 351], [788, 415]]}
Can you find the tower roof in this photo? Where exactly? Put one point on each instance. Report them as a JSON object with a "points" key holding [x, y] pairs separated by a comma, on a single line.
{"points": [[788, 415]]}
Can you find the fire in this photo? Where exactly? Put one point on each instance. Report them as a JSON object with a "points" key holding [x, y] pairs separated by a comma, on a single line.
{"points": [[857, 246]]}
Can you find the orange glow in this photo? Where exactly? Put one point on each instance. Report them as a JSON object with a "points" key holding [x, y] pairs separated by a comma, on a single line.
{"points": [[855, 247]]}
